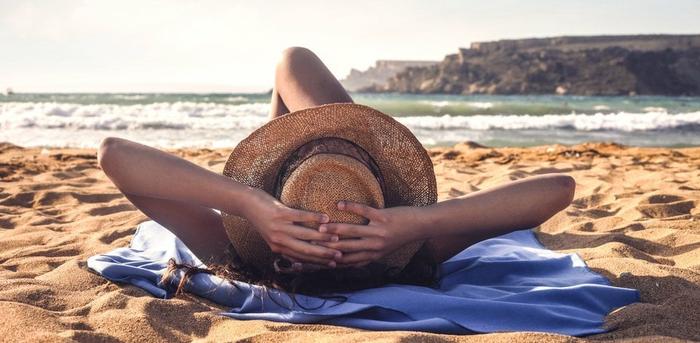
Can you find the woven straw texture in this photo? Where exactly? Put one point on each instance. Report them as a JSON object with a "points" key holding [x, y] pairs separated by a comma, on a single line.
{"points": [[322, 180], [406, 168]]}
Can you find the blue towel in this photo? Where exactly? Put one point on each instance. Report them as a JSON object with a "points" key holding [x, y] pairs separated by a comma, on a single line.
{"points": [[508, 283]]}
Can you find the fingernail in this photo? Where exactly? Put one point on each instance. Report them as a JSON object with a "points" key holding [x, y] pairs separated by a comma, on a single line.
{"points": [[322, 228], [338, 254], [341, 205], [331, 264], [334, 238], [325, 218]]}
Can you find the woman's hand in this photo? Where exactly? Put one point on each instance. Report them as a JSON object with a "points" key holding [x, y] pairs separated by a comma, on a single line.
{"points": [[276, 223], [388, 229]]}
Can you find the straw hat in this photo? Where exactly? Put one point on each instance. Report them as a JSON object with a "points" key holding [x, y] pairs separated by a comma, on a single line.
{"points": [[313, 158]]}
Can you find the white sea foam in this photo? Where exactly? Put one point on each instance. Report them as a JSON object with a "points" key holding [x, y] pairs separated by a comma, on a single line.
{"points": [[438, 105], [583, 122], [130, 96], [178, 115], [236, 99], [200, 124], [654, 109], [481, 105], [202, 116]]}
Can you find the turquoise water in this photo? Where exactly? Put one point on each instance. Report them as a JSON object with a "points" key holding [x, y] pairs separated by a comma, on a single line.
{"points": [[221, 120]]}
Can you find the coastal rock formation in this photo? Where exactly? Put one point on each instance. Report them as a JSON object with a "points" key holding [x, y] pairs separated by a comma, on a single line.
{"points": [[379, 73], [599, 65]]}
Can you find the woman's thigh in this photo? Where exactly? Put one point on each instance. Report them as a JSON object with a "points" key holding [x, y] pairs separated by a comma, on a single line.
{"points": [[303, 81]]}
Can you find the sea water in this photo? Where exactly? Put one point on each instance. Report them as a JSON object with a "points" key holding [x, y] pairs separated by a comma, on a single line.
{"points": [[222, 120]]}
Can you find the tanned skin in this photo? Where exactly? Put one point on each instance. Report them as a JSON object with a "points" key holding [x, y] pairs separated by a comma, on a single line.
{"points": [[183, 197]]}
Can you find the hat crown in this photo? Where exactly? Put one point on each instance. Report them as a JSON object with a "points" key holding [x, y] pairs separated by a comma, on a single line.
{"points": [[322, 180]]}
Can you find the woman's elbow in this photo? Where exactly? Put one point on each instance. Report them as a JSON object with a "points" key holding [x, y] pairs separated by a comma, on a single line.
{"points": [[565, 186], [558, 193], [108, 154]]}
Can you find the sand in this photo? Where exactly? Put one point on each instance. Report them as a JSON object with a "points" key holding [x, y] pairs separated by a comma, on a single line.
{"points": [[635, 219]]}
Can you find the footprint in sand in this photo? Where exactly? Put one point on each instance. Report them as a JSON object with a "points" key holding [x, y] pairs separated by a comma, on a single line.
{"points": [[111, 236], [663, 199], [589, 201], [601, 211], [7, 224], [23, 199], [454, 192], [97, 198], [55, 199], [66, 175], [107, 210], [40, 186], [665, 206], [50, 198]]}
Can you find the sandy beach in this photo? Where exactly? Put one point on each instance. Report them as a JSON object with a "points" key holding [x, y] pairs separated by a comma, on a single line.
{"points": [[635, 219]]}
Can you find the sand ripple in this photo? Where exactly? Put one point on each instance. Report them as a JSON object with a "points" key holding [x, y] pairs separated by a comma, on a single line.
{"points": [[635, 219]]}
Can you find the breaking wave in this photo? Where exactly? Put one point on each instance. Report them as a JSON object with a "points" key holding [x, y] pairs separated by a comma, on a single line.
{"points": [[202, 116], [178, 115], [627, 122]]}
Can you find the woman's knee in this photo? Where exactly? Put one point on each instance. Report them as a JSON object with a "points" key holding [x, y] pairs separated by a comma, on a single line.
{"points": [[294, 59], [295, 55]]}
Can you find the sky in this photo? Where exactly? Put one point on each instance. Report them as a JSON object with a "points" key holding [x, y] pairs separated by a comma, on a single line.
{"points": [[232, 46]]}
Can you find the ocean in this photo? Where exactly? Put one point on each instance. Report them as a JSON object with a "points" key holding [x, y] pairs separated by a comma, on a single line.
{"points": [[222, 120]]}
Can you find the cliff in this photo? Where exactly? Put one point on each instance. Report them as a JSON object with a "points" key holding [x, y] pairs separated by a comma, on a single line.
{"points": [[379, 73], [598, 65]]}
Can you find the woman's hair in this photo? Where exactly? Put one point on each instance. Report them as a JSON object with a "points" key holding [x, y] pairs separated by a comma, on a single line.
{"points": [[421, 270]]}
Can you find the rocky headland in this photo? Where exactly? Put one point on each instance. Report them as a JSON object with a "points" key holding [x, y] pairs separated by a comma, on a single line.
{"points": [[380, 73], [592, 65]]}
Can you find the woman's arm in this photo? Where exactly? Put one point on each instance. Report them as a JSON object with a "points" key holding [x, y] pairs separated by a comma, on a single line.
{"points": [[452, 225], [142, 171]]}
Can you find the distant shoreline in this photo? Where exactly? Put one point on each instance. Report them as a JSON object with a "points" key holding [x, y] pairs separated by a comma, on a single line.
{"points": [[573, 65]]}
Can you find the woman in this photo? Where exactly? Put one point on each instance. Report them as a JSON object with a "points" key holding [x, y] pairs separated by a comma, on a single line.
{"points": [[185, 198]]}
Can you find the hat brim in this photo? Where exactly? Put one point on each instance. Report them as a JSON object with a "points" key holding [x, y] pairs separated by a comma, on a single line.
{"points": [[405, 165]]}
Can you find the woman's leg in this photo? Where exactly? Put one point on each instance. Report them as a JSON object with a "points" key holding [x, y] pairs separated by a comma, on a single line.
{"points": [[277, 107], [303, 81]]}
